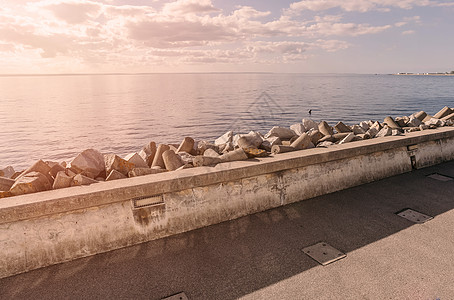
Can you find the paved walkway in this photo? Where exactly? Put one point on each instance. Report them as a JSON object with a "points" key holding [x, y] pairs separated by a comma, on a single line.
{"points": [[260, 256]]}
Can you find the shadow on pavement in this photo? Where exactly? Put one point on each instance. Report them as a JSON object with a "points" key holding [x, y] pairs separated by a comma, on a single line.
{"points": [[235, 258]]}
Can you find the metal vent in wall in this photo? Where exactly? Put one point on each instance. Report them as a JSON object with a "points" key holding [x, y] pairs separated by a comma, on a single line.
{"points": [[440, 177], [414, 216], [146, 201]]}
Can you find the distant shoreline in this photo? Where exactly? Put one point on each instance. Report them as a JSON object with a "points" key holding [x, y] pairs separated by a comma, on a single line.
{"points": [[423, 74]]}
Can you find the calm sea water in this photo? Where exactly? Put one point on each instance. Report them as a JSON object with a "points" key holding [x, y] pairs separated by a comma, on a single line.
{"points": [[56, 117]]}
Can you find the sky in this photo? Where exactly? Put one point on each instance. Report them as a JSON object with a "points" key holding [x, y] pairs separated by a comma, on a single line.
{"points": [[148, 36]]}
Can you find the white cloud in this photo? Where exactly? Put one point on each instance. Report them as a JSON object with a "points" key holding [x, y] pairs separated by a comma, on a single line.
{"points": [[360, 5], [408, 32]]}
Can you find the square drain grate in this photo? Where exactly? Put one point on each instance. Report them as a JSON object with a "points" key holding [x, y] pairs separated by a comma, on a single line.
{"points": [[440, 177], [414, 216], [323, 253], [179, 296]]}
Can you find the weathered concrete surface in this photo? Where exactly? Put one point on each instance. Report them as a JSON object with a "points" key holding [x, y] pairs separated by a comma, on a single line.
{"points": [[82, 221], [259, 256]]}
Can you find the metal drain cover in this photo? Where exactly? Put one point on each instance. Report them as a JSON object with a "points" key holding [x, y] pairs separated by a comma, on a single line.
{"points": [[439, 177], [414, 216], [324, 253], [179, 296]]}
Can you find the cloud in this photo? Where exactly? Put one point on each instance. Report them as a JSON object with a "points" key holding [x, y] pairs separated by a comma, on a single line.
{"points": [[182, 7], [408, 32], [102, 33], [360, 5]]}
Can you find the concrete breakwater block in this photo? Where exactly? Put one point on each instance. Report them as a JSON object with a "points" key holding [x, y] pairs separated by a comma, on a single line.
{"points": [[187, 145], [89, 160], [309, 124], [224, 139], [443, 113], [158, 161], [145, 171], [276, 149], [31, 182], [115, 162], [302, 142], [234, 155], [114, 175], [148, 152], [171, 160], [7, 172], [62, 181], [325, 129], [341, 127], [391, 123], [281, 132], [80, 179], [136, 159], [6, 184], [200, 161], [298, 128], [421, 115]]}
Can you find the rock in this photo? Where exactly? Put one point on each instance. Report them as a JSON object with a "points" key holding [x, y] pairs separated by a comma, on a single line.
{"points": [[89, 160], [114, 175], [396, 132], [433, 121], [144, 171], [158, 161], [315, 136], [358, 129], [420, 115], [276, 149], [200, 161], [423, 127], [148, 152], [270, 142], [62, 180], [6, 184], [137, 160], [411, 129], [185, 167], [173, 147], [309, 124], [325, 129], [185, 157], [325, 144], [31, 182], [211, 153], [347, 139], [114, 162], [448, 117], [328, 138], [377, 126], [55, 169], [234, 155], [427, 118], [281, 132], [449, 122], [302, 142], [340, 136], [364, 125], [80, 179], [401, 121], [254, 152], [413, 122], [187, 145], [39, 166], [443, 113], [171, 160], [225, 138], [391, 123], [252, 139], [8, 172], [204, 145], [226, 148], [385, 131], [298, 128], [371, 133], [341, 127]]}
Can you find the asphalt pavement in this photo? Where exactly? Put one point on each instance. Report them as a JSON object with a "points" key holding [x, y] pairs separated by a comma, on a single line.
{"points": [[260, 256]]}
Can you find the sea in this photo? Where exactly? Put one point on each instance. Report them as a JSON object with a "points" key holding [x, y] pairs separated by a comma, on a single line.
{"points": [[55, 117]]}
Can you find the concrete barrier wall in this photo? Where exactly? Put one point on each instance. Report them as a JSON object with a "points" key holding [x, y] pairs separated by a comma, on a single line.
{"points": [[46, 228]]}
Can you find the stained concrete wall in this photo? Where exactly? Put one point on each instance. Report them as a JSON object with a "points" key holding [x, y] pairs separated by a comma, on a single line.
{"points": [[51, 227]]}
